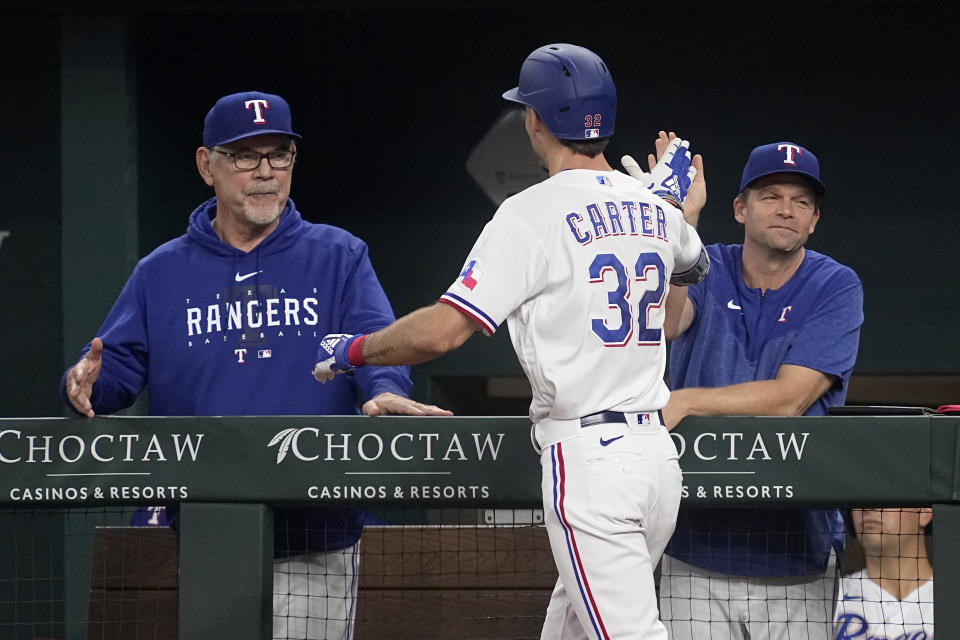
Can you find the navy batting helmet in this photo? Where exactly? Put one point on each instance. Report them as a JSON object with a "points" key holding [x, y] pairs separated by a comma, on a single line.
{"points": [[571, 90]]}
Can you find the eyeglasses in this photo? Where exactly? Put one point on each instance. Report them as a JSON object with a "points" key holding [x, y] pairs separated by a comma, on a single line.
{"points": [[250, 160]]}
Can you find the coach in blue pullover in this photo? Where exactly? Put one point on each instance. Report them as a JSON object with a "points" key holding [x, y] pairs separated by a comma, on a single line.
{"points": [[772, 330], [226, 320]]}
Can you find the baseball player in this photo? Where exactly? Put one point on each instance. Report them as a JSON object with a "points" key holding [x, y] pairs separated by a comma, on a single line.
{"points": [[578, 266], [892, 597]]}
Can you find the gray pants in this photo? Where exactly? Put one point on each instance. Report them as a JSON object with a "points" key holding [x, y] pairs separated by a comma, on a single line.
{"points": [[314, 596], [697, 604]]}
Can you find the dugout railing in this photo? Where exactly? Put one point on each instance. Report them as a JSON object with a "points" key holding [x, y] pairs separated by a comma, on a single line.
{"points": [[226, 472]]}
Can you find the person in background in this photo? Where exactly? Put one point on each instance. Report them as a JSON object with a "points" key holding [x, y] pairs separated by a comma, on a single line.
{"points": [[891, 598], [772, 330]]}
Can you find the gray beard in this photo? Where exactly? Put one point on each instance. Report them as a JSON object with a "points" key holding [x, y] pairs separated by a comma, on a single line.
{"points": [[262, 218]]}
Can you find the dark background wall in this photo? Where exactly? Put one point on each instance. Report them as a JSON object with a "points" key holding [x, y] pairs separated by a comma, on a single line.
{"points": [[391, 99], [30, 310]]}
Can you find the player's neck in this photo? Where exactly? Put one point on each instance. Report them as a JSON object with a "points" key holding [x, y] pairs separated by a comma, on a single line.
{"points": [[900, 575], [768, 270], [563, 158]]}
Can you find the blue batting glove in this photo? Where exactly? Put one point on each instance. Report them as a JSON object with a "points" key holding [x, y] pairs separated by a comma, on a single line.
{"points": [[332, 356], [672, 174], [671, 177]]}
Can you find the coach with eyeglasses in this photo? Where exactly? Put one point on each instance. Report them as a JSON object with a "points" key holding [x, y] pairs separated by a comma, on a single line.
{"points": [[226, 320]]}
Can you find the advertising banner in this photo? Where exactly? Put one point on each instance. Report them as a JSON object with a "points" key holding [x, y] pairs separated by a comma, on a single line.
{"points": [[482, 461]]}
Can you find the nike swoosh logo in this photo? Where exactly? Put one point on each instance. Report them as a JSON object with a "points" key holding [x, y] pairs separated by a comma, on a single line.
{"points": [[241, 278], [605, 442], [735, 307]]}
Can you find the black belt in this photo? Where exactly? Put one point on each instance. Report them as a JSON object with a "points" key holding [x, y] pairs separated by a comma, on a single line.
{"points": [[602, 417], [607, 417]]}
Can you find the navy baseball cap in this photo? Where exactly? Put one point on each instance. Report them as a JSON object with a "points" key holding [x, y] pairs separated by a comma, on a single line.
{"points": [[782, 157], [244, 115]]}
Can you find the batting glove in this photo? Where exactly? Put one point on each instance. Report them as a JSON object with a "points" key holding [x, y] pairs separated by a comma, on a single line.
{"points": [[338, 353], [670, 178]]}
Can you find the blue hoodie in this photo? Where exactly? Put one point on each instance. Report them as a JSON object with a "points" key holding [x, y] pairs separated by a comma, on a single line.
{"points": [[208, 329]]}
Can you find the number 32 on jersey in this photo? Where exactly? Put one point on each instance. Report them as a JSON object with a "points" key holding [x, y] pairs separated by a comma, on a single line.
{"points": [[607, 269]]}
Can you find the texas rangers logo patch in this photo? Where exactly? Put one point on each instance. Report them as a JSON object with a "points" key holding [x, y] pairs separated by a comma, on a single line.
{"points": [[259, 107], [470, 275]]}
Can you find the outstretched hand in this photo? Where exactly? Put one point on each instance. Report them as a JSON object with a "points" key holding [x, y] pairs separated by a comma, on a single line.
{"points": [[81, 377], [332, 356], [660, 145], [392, 404], [696, 195]]}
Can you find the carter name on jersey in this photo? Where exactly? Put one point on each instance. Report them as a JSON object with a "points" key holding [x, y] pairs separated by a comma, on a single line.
{"points": [[610, 220]]}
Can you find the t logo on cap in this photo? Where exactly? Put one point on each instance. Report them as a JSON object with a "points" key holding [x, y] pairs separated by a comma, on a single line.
{"points": [[782, 157], [790, 150], [229, 119], [257, 104]]}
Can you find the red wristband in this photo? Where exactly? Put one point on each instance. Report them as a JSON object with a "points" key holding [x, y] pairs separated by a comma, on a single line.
{"points": [[355, 351]]}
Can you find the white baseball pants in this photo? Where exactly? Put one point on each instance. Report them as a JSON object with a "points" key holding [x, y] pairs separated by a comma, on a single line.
{"points": [[696, 603], [610, 496], [315, 595]]}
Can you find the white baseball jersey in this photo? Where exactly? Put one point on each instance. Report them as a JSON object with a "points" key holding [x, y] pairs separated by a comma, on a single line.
{"points": [[579, 266], [864, 610]]}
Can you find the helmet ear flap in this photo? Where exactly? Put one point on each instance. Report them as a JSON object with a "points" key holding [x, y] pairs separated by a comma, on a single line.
{"points": [[571, 90]]}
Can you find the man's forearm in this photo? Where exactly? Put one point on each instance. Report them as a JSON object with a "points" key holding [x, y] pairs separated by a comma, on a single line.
{"points": [[790, 394], [419, 336], [760, 398], [675, 321]]}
